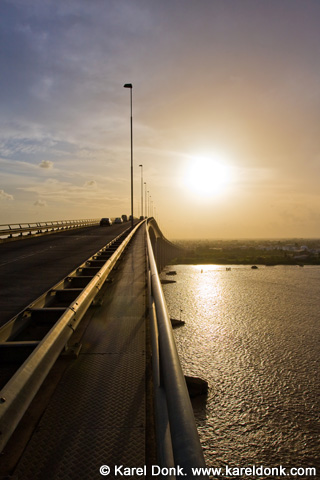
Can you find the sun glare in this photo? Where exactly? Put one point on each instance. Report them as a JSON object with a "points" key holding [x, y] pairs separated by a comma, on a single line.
{"points": [[207, 176]]}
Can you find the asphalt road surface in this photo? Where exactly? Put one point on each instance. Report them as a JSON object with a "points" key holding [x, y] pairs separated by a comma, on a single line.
{"points": [[31, 266]]}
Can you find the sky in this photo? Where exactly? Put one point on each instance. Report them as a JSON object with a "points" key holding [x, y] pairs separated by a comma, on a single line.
{"points": [[226, 114]]}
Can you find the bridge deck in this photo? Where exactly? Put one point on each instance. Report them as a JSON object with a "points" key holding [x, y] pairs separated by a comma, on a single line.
{"points": [[97, 414]]}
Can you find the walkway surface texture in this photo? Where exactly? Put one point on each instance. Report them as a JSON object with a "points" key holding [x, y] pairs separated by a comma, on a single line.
{"points": [[97, 414]]}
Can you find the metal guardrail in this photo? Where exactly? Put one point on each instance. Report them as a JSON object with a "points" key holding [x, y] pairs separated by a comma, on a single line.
{"points": [[13, 230], [17, 394], [177, 437]]}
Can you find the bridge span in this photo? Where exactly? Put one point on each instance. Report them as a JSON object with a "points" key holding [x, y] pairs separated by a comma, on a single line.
{"points": [[31, 265], [100, 386]]}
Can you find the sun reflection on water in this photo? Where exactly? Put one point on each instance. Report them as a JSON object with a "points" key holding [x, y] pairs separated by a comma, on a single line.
{"points": [[264, 389]]}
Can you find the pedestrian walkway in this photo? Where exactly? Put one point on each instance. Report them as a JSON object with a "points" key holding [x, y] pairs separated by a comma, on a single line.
{"points": [[97, 415]]}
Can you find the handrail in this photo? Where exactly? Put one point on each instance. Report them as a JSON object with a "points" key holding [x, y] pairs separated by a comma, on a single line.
{"points": [[7, 230], [17, 394], [179, 429]]}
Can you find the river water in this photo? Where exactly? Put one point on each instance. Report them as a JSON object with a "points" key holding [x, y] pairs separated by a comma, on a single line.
{"points": [[254, 335]]}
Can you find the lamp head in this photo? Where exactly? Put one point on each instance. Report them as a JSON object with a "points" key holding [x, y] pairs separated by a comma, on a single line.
{"points": [[127, 85]]}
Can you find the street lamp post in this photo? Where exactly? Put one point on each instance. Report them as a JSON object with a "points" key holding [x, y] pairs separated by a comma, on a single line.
{"points": [[145, 199], [129, 85], [141, 190]]}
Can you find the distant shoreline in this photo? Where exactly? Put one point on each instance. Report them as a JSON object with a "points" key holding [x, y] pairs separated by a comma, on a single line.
{"points": [[269, 253], [180, 261]]}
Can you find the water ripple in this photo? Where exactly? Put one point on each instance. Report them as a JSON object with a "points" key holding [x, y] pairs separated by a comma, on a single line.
{"points": [[254, 335]]}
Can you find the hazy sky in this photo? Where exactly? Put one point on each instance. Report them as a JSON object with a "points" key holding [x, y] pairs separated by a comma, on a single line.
{"points": [[226, 113]]}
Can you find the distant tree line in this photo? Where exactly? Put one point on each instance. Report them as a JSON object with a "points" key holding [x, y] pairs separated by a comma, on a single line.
{"points": [[234, 253]]}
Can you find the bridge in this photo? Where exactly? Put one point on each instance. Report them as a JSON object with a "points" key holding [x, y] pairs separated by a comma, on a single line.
{"points": [[91, 383]]}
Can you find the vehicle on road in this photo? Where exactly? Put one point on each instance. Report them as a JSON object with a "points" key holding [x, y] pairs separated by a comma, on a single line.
{"points": [[124, 218], [105, 222], [118, 220]]}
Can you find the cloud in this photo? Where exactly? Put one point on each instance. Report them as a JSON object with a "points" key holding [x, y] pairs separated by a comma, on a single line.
{"points": [[46, 164], [5, 196], [90, 183], [40, 203], [64, 193]]}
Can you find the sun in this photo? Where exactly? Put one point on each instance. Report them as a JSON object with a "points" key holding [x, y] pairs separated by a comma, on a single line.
{"points": [[207, 176]]}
